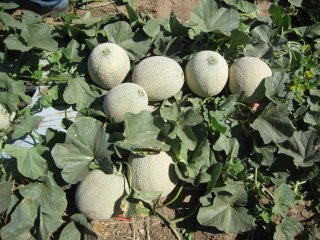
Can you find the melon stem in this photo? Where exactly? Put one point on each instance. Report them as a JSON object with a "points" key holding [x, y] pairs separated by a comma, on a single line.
{"points": [[173, 199]]}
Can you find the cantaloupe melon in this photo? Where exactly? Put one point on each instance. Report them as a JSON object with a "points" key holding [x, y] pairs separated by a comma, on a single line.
{"points": [[99, 195], [108, 65], [161, 77], [125, 97], [5, 117], [246, 74], [154, 172], [206, 73]]}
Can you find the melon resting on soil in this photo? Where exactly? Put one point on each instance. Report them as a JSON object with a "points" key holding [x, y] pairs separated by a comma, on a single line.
{"points": [[5, 117], [153, 173], [108, 65], [99, 195], [125, 97], [206, 73], [161, 77], [246, 74]]}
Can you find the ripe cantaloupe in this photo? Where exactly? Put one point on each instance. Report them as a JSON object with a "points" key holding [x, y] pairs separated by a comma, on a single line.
{"points": [[161, 77], [153, 173], [5, 117], [206, 73], [108, 65], [99, 195], [246, 74], [125, 97]]}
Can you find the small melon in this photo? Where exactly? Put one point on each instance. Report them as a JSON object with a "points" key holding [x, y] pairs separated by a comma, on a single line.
{"points": [[125, 97], [206, 73], [5, 117], [108, 65], [246, 74], [161, 77], [154, 172], [99, 195]]}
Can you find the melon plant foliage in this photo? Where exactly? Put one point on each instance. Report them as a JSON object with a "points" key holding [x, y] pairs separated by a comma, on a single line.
{"points": [[232, 154]]}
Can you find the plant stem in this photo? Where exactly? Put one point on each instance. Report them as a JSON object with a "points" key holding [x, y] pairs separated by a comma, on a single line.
{"points": [[187, 216], [169, 223], [174, 199]]}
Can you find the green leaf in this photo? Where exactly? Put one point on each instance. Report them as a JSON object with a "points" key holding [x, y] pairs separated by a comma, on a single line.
{"points": [[48, 224], [152, 28], [86, 141], [13, 43], [71, 51], [276, 84], [297, 3], [282, 20], [78, 92], [201, 160], [84, 227], [209, 18], [303, 147], [26, 125], [13, 93], [46, 193], [243, 6], [134, 43], [313, 119], [5, 195], [273, 124], [39, 36], [176, 27], [227, 212], [8, 5], [9, 22], [70, 231], [22, 220], [288, 229], [283, 199], [229, 145], [141, 132], [30, 162]]}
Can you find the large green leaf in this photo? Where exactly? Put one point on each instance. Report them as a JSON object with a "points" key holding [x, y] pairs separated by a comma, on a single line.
{"points": [[152, 28], [227, 212], [5, 194], [135, 44], [39, 36], [12, 92], [46, 193], [142, 132], [9, 22], [229, 145], [30, 162], [48, 224], [273, 124], [288, 229], [201, 160], [207, 17], [283, 199], [26, 125], [86, 141], [70, 231], [71, 51], [22, 220], [303, 147], [78, 92], [276, 84], [313, 119]]}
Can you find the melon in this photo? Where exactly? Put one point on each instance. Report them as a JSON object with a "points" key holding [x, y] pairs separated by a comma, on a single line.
{"points": [[123, 98], [99, 195], [161, 77], [153, 173], [246, 74], [108, 65], [5, 117], [206, 73]]}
